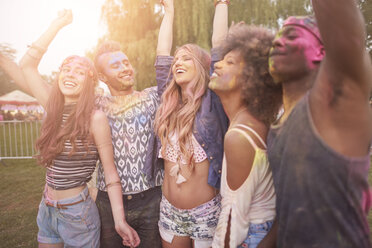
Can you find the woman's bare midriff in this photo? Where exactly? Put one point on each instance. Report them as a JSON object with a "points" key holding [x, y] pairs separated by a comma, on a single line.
{"points": [[63, 194], [192, 193]]}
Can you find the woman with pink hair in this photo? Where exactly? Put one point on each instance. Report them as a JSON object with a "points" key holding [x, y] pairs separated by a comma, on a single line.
{"points": [[190, 124]]}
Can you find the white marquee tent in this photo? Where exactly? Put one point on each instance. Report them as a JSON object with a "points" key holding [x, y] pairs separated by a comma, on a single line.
{"points": [[18, 100]]}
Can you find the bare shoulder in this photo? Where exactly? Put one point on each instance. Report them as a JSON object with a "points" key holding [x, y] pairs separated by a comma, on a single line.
{"points": [[233, 138], [98, 119], [236, 143], [239, 154], [98, 115]]}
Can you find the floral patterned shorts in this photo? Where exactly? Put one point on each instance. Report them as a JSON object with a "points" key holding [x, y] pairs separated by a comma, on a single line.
{"points": [[199, 223]]}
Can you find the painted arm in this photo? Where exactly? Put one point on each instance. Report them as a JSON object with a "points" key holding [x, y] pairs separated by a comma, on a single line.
{"points": [[102, 136], [342, 28], [30, 61], [339, 98], [14, 72]]}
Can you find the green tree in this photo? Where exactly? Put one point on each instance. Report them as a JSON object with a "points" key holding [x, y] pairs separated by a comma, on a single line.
{"points": [[6, 83], [193, 19], [135, 24], [193, 22]]}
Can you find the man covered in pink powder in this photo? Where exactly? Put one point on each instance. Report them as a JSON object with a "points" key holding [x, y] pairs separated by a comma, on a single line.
{"points": [[319, 149]]}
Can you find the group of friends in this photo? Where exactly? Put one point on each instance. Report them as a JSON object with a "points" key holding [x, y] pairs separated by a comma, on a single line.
{"points": [[262, 143]]}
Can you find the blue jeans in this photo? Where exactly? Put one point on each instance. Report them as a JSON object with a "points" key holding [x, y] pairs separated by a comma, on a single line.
{"points": [[255, 234], [76, 226]]}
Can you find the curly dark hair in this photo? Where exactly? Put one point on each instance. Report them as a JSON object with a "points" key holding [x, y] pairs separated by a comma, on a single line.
{"points": [[261, 96]]}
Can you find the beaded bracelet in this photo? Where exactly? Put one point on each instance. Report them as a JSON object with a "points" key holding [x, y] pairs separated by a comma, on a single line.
{"points": [[227, 2]]}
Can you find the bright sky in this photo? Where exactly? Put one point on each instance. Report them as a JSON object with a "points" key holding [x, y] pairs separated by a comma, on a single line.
{"points": [[23, 21]]}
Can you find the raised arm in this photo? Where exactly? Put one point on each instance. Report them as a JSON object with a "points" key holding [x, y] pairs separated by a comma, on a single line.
{"points": [[30, 61], [342, 28], [102, 137], [14, 72], [220, 24], [339, 98], [165, 38], [220, 30]]}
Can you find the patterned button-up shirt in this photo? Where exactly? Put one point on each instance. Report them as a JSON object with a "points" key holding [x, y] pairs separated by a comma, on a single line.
{"points": [[131, 119]]}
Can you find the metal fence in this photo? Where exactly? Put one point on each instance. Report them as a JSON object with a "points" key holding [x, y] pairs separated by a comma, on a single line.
{"points": [[17, 139]]}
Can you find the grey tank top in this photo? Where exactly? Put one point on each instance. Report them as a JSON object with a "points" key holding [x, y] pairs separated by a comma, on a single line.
{"points": [[320, 193]]}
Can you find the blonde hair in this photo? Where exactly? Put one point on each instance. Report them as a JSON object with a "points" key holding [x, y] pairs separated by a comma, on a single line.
{"points": [[176, 115]]}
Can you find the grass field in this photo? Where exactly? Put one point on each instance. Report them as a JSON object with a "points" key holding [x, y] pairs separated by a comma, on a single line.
{"points": [[21, 186]]}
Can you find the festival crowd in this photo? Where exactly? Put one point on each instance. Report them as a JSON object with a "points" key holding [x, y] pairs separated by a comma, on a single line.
{"points": [[262, 142]]}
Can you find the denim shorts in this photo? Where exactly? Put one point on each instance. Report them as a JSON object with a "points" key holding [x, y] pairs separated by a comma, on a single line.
{"points": [[76, 226], [255, 234]]}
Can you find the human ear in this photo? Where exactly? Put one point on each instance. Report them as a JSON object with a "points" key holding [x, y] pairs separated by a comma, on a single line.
{"points": [[102, 77], [320, 54]]}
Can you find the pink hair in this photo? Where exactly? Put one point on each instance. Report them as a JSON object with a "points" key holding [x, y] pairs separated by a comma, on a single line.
{"points": [[176, 115]]}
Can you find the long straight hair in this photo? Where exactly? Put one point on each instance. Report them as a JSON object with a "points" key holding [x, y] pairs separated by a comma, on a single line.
{"points": [[176, 115], [53, 133]]}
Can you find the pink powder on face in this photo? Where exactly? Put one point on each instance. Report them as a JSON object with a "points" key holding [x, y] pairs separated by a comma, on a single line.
{"points": [[306, 22]]}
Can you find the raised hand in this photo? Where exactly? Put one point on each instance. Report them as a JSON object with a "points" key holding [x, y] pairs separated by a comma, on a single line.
{"points": [[128, 234], [168, 5], [64, 18], [30, 61], [165, 37]]}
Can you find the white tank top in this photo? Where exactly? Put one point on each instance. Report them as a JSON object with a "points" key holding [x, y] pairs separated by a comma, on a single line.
{"points": [[252, 202]]}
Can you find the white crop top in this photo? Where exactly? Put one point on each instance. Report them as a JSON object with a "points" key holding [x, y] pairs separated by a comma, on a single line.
{"points": [[174, 155], [252, 202]]}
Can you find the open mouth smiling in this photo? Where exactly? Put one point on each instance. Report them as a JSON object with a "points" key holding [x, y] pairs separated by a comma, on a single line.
{"points": [[214, 75], [126, 76], [178, 71], [69, 84]]}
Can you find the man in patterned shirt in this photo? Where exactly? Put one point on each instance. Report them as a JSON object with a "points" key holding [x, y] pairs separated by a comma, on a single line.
{"points": [[131, 116]]}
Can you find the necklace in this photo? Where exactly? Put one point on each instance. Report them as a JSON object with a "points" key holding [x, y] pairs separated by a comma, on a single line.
{"points": [[120, 103], [236, 115]]}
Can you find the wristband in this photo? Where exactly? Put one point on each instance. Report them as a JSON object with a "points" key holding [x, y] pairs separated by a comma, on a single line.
{"points": [[33, 56], [227, 2], [38, 48], [113, 184]]}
